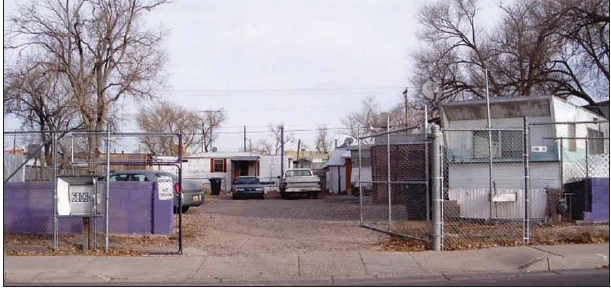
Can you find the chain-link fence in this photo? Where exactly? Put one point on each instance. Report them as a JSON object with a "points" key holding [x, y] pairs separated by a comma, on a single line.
{"points": [[483, 192], [55, 194], [393, 180], [570, 166]]}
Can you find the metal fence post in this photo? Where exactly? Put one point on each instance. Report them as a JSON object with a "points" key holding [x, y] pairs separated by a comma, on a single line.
{"points": [[526, 182], [388, 170], [180, 199], [358, 139], [436, 188], [55, 219], [106, 209]]}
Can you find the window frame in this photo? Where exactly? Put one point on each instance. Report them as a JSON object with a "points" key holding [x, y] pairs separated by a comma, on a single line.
{"points": [[213, 165], [498, 150]]}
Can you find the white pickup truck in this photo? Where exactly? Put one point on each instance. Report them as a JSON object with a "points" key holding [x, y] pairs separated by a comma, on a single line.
{"points": [[299, 181]]}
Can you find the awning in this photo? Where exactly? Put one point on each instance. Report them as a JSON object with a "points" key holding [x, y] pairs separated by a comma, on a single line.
{"points": [[245, 158]]}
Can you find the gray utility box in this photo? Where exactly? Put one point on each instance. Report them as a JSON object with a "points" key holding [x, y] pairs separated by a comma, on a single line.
{"points": [[77, 196]]}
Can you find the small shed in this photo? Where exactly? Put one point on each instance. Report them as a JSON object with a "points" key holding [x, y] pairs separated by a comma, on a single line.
{"points": [[339, 171]]}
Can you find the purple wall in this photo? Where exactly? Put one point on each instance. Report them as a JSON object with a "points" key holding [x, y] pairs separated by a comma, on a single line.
{"points": [[600, 200], [134, 208]]}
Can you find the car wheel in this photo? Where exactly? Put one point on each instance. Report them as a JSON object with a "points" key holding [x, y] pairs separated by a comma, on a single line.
{"points": [[184, 209], [315, 195], [309, 195]]}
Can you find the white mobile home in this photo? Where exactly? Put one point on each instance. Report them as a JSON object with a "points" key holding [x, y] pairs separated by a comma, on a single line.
{"points": [[467, 151], [230, 165]]}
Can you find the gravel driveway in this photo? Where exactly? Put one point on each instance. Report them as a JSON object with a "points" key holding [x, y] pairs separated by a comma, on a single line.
{"points": [[228, 227]]}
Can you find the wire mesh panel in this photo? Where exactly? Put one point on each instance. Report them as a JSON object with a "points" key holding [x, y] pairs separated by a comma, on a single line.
{"points": [[70, 214], [394, 184], [27, 228], [570, 170], [483, 188]]}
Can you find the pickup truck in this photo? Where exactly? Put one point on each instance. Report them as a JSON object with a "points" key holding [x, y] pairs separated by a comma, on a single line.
{"points": [[299, 182]]}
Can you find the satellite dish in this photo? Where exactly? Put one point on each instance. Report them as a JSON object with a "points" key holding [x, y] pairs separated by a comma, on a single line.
{"points": [[348, 141], [430, 89], [214, 149]]}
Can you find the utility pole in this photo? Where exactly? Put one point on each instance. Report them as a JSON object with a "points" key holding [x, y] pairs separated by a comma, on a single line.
{"points": [[298, 147], [244, 138], [406, 111], [281, 150]]}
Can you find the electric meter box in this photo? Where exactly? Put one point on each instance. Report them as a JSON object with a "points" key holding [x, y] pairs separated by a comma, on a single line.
{"points": [[77, 196]]}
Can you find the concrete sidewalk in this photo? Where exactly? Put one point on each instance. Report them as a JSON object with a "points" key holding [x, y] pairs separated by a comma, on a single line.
{"points": [[313, 268]]}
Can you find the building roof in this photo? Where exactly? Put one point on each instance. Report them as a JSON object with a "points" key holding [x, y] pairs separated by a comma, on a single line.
{"points": [[336, 158]]}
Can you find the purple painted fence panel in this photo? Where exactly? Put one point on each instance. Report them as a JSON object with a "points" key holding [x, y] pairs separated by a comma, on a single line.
{"points": [[134, 208], [600, 200]]}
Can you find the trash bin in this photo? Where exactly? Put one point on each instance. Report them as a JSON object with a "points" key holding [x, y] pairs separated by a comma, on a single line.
{"points": [[215, 185]]}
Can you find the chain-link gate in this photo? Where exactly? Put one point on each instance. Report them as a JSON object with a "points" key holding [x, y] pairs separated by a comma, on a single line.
{"points": [[39, 167], [484, 201], [393, 180]]}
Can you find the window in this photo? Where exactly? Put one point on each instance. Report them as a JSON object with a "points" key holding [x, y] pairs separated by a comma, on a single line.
{"points": [[218, 165], [596, 146], [505, 144], [119, 177], [293, 173], [247, 180], [139, 177]]}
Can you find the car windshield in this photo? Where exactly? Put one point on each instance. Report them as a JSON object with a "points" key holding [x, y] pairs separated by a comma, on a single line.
{"points": [[292, 173], [247, 180]]}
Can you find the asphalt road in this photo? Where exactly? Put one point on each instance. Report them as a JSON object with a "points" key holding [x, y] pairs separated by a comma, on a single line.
{"points": [[582, 278]]}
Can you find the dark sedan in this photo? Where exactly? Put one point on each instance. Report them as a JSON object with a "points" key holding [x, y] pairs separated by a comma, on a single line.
{"points": [[248, 186]]}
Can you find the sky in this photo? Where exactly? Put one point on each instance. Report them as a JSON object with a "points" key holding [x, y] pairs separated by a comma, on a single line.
{"points": [[301, 63]]}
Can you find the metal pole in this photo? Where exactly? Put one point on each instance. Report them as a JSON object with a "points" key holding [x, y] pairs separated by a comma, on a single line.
{"points": [[526, 182], [426, 119], [180, 197], [388, 170], [55, 219], [436, 187], [72, 150], [282, 150], [244, 138], [107, 199], [14, 142], [406, 110], [358, 134], [585, 184], [489, 145]]}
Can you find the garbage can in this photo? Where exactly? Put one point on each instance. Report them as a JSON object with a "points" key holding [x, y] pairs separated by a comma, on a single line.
{"points": [[215, 185]]}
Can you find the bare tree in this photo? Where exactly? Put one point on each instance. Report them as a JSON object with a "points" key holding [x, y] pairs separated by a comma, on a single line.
{"points": [[275, 133], [168, 118], [38, 97], [558, 47], [323, 143], [99, 46], [210, 122], [368, 117], [264, 147]]}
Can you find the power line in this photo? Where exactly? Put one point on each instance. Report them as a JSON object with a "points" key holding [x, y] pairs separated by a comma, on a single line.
{"points": [[297, 90]]}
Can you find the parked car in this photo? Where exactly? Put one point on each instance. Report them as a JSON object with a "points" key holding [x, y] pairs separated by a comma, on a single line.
{"points": [[193, 193], [247, 186], [299, 181]]}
